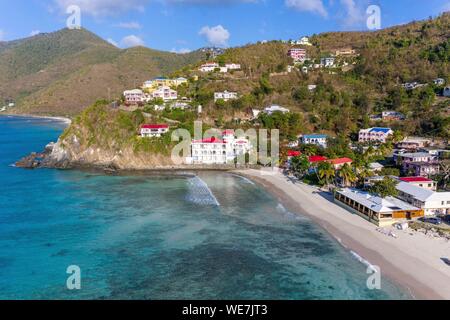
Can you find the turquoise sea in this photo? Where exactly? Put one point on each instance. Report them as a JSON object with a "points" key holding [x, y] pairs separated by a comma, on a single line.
{"points": [[213, 236]]}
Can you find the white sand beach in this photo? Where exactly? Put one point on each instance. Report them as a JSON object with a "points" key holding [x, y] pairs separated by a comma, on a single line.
{"points": [[412, 260], [61, 119]]}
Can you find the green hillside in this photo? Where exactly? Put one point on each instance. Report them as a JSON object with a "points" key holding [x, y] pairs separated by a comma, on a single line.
{"points": [[62, 72]]}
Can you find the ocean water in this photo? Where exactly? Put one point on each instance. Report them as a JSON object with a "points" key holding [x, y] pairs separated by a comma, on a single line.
{"points": [[212, 236]]}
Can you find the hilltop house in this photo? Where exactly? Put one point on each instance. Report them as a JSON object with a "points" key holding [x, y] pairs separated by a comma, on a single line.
{"points": [[218, 151], [374, 134], [297, 54], [380, 211], [303, 41], [274, 108], [154, 130], [164, 93], [209, 67], [317, 139], [430, 201], [133, 97], [420, 182], [225, 96]]}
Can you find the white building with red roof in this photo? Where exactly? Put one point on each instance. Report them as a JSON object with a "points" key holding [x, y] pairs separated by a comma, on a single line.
{"points": [[420, 182], [215, 150], [153, 130]]}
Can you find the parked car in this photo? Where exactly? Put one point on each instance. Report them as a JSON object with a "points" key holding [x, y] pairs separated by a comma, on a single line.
{"points": [[446, 218], [435, 221]]}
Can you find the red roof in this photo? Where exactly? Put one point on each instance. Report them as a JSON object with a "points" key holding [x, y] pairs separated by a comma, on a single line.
{"points": [[292, 153], [317, 159], [209, 140], [415, 179], [155, 126], [340, 161]]}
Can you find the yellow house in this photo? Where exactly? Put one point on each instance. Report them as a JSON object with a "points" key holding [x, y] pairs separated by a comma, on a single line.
{"points": [[155, 83]]}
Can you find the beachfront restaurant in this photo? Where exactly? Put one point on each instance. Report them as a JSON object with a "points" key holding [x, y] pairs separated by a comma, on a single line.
{"points": [[380, 211]]}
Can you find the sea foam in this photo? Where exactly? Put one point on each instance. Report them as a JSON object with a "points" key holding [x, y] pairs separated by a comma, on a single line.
{"points": [[200, 193]]}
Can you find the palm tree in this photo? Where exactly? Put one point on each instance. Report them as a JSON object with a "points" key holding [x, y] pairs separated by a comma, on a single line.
{"points": [[300, 166], [347, 175], [326, 172]]}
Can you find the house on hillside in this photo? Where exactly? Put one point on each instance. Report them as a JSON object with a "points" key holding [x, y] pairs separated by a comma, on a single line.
{"points": [[133, 97], [439, 81], [345, 52], [413, 143], [153, 130], [391, 115], [303, 41], [374, 134], [209, 67], [316, 139], [297, 54], [327, 62], [233, 66], [164, 93], [275, 108], [225, 96]]}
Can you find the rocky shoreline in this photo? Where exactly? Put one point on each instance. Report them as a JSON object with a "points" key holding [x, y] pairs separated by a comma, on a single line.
{"points": [[55, 157]]}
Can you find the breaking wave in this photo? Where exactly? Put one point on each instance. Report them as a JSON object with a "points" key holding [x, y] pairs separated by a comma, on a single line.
{"points": [[199, 193]]}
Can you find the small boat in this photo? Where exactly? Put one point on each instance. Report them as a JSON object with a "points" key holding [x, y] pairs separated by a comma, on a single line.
{"points": [[446, 261]]}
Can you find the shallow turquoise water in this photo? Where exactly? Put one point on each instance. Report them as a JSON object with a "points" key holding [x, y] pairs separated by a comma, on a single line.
{"points": [[217, 236]]}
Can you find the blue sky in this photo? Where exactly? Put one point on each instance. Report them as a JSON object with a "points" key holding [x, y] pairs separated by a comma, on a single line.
{"points": [[182, 25]]}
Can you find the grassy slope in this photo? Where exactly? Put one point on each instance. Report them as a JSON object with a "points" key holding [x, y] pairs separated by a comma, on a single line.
{"points": [[60, 73]]}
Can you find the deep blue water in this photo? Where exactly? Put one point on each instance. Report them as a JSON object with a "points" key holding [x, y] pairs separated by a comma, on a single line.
{"points": [[217, 236]]}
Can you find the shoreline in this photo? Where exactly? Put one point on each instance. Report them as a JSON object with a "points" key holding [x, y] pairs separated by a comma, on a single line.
{"points": [[58, 118], [413, 273]]}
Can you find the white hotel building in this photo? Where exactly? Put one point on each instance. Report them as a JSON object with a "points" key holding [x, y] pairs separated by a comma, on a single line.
{"points": [[218, 151]]}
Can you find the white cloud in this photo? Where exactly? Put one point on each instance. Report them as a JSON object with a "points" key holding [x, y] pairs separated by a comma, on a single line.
{"points": [[34, 33], [132, 41], [211, 2], [111, 41], [103, 7], [181, 51], [130, 25], [354, 14], [315, 6], [216, 36]]}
